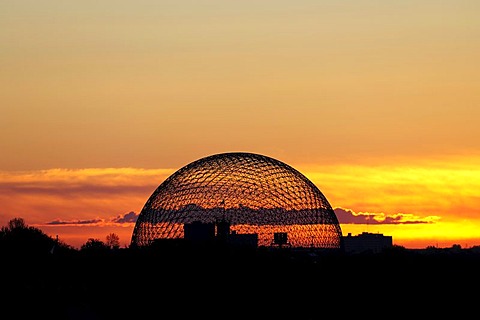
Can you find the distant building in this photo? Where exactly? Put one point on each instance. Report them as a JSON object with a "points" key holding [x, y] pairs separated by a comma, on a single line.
{"points": [[366, 242], [245, 240], [280, 239], [201, 232]]}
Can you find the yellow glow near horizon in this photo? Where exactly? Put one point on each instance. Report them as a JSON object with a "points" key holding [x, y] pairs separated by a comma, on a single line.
{"points": [[441, 234], [444, 192], [440, 194], [444, 188]]}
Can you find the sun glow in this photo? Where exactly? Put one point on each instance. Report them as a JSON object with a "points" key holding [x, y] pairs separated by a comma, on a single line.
{"points": [[419, 203], [441, 193]]}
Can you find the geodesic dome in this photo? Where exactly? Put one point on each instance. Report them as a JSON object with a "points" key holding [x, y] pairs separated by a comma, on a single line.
{"points": [[255, 194]]}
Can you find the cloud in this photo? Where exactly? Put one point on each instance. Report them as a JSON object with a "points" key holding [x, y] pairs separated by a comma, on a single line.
{"points": [[347, 216], [75, 222], [344, 216], [76, 196], [126, 218], [82, 182]]}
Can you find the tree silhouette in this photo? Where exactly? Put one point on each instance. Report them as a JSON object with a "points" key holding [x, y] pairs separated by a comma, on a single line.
{"points": [[113, 241], [17, 223], [18, 238], [93, 244]]}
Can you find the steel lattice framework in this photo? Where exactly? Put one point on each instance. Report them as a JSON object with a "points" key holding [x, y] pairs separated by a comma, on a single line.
{"points": [[254, 193]]}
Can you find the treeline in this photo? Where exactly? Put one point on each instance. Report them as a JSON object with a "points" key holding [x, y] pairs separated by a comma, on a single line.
{"points": [[18, 237], [43, 277]]}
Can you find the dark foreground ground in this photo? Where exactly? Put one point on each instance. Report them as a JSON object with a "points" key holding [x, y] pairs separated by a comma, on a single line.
{"points": [[199, 283]]}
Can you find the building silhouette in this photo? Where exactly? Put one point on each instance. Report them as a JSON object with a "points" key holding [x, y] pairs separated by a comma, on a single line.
{"points": [[366, 242], [198, 232]]}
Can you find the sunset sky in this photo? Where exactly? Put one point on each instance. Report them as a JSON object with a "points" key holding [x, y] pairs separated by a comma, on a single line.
{"points": [[376, 102]]}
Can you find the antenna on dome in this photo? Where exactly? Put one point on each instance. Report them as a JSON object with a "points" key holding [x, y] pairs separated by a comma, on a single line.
{"points": [[223, 226], [222, 203]]}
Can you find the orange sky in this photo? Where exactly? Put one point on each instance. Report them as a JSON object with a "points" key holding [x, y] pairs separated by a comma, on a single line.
{"points": [[418, 204], [376, 102]]}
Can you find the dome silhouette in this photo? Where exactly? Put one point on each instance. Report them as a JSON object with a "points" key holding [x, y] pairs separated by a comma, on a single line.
{"points": [[254, 194]]}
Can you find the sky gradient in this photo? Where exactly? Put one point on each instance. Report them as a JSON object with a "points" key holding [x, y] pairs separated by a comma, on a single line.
{"points": [[377, 102]]}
